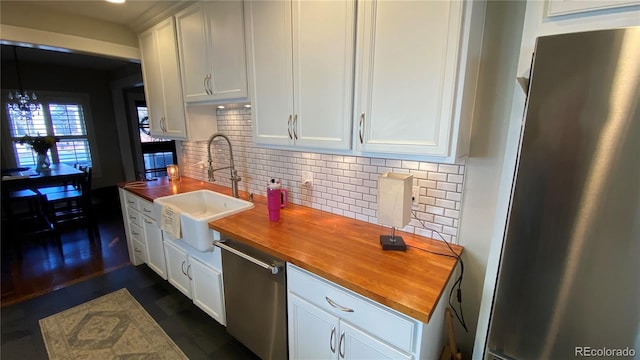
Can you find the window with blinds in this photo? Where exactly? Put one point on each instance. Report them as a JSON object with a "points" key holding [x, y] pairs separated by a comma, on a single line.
{"points": [[63, 119]]}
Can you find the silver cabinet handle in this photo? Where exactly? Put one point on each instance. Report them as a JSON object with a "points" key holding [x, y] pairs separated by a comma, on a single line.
{"points": [[361, 132], [204, 84], [332, 342], [130, 202], [210, 89], [295, 126], [147, 221], [188, 273], [134, 233], [163, 128], [147, 211], [335, 305], [131, 217], [183, 271], [137, 250], [289, 127], [341, 346], [273, 268]]}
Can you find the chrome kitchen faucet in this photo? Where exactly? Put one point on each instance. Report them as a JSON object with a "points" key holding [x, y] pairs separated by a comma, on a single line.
{"points": [[234, 173]]}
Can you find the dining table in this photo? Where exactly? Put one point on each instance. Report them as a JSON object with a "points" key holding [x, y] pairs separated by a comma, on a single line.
{"points": [[28, 178]]}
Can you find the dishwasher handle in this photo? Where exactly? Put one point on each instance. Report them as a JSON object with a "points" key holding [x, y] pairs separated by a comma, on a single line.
{"points": [[273, 268]]}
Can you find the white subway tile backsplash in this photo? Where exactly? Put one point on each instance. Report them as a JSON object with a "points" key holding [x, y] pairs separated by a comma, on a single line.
{"points": [[428, 167], [411, 165], [448, 169], [342, 184], [454, 178], [437, 193], [434, 210], [393, 163], [436, 176], [447, 186]]}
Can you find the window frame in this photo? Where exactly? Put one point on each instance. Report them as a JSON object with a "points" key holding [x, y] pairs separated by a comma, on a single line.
{"points": [[46, 98]]}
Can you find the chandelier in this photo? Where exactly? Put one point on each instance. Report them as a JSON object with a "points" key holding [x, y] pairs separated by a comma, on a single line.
{"points": [[21, 105]]}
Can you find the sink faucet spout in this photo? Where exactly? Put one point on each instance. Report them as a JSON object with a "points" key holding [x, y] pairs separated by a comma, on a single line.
{"points": [[234, 173]]}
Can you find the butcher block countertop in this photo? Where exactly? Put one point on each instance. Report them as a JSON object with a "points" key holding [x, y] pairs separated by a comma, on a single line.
{"points": [[340, 249]]}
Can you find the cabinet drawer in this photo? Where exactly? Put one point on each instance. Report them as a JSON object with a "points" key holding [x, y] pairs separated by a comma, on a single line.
{"points": [[147, 208], [134, 217], [139, 251], [376, 319], [131, 200], [136, 232]]}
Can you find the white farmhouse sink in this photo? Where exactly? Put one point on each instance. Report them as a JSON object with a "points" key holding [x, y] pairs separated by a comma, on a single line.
{"points": [[197, 208]]}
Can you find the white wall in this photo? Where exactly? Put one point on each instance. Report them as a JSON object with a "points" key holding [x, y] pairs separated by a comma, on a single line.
{"points": [[23, 22], [503, 27]]}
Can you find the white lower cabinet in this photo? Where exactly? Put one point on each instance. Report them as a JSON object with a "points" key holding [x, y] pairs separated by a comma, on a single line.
{"points": [[317, 334], [177, 268], [197, 275], [327, 321]]}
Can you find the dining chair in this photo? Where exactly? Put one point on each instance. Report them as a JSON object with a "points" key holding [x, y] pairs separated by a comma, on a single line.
{"points": [[24, 220], [71, 208]]}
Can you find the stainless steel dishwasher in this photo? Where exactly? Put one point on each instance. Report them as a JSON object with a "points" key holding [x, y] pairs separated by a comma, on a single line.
{"points": [[255, 295]]}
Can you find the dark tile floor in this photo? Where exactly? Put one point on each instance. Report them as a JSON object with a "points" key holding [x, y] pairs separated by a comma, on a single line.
{"points": [[198, 335]]}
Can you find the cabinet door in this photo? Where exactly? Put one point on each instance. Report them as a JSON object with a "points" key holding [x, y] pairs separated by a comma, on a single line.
{"points": [[177, 268], [354, 343], [174, 124], [408, 52], [323, 55], [227, 50], [152, 80], [313, 332], [269, 42], [191, 29], [155, 247], [207, 290], [162, 85]]}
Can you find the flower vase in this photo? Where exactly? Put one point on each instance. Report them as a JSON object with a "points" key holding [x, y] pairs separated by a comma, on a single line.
{"points": [[43, 162]]}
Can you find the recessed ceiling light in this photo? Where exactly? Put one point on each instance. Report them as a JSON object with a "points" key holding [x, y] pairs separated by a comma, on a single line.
{"points": [[116, 1]]}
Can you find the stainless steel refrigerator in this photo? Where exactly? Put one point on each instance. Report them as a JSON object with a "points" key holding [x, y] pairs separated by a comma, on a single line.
{"points": [[569, 278]]}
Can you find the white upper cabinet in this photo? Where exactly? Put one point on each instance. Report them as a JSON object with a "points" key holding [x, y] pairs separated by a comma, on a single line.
{"points": [[212, 51], [162, 86], [417, 68], [301, 63]]}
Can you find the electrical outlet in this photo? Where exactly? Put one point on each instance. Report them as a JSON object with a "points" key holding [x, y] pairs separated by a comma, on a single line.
{"points": [[307, 179], [415, 193]]}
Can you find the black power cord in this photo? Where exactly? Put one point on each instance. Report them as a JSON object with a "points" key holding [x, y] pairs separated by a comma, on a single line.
{"points": [[458, 283]]}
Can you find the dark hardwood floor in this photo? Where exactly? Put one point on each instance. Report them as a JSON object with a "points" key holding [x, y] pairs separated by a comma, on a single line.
{"points": [[43, 282], [35, 266]]}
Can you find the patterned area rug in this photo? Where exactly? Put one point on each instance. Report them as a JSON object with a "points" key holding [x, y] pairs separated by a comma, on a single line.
{"points": [[114, 326]]}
